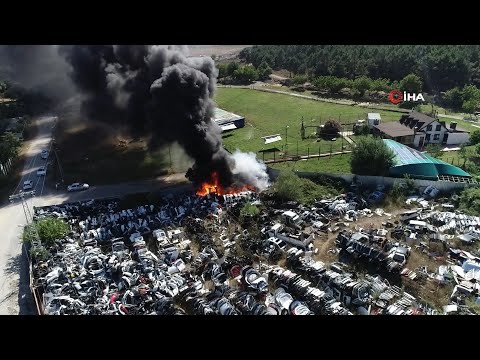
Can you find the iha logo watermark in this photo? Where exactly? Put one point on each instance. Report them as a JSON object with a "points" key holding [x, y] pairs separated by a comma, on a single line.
{"points": [[396, 96]]}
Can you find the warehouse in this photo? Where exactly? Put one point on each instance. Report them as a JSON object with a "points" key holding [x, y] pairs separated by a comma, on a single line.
{"points": [[227, 120], [420, 165]]}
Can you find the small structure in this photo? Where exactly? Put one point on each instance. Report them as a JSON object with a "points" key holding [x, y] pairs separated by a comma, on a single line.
{"points": [[271, 138], [373, 119], [417, 129], [227, 120], [395, 131], [420, 165]]}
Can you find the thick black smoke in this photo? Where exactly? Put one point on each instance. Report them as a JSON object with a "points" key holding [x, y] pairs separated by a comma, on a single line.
{"points": [[157, 91], [151, 90], [36, 68]]}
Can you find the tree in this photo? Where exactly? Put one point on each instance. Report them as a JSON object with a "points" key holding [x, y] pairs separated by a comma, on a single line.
{"points": [[232, 67], [434, 150], [464, 153], [470, 201], [445, 66], [469, 106], [299, 80], [222, 71], [362, 84], [3, 87], [264, 71], [331, 83], [49, 230], [475, 137], [471, 92], [411, 84], [331, 128], [246, 74], [371, 157], [380, 85], [453, 98], [9, 144], [292, 65]]}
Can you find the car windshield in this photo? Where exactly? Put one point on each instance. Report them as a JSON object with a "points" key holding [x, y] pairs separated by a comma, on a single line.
{"points": [[398, 257]]}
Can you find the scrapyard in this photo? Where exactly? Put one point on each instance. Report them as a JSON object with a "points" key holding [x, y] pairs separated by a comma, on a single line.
{"points": [[191, 254]]}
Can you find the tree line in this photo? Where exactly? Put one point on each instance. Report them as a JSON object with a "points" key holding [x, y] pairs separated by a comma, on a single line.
{"points": [[442, 67], [235, 72]]}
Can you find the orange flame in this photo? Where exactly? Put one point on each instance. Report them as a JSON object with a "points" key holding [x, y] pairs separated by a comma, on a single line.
{"points": [[213, 187]]}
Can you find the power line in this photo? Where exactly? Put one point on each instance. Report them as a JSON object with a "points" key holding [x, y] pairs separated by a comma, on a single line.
{"points": [[36, 242]]}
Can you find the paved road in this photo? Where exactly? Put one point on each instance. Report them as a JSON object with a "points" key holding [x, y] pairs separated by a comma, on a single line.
{"points": [[14, 282], [14, 291]]}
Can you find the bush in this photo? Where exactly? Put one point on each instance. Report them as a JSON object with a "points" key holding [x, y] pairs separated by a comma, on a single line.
{"points": [[331, 128], [249, 210], [401, 189], [475, 137], [470, 201], [434, 150], [299, 80], [290, 187], [48, 230]]}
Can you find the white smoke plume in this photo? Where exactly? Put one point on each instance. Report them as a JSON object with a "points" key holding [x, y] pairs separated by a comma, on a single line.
{"points": [[250, 170]]}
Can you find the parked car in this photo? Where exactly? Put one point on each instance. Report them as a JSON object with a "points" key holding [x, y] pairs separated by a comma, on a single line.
{"points": [[42, 171], [280, 243], [27, 185], [376, 197], [44, 154], [431, 192], [78, 187]]}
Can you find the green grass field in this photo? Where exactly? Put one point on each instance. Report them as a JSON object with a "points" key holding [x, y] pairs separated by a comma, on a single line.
{"points": [[452, 157], [269, 113], [333, 164]]}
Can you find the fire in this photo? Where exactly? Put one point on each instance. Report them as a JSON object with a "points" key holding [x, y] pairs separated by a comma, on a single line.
{"points": [[214, 187]]}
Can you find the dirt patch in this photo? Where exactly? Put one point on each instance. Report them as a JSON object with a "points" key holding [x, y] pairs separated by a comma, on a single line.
{"points": [[98, 154], [324, 243], [425, 290], [217, 50]]}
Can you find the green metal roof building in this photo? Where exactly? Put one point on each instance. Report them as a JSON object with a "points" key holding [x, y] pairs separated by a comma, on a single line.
{"points": [[419, 165]]}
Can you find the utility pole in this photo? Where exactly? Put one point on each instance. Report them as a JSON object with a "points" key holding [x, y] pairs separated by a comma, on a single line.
{"points": [[28, 216], [59, 164], [286, 138]]}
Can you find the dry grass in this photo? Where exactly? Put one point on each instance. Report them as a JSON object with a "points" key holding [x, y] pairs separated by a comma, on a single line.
{"points": [[97, 154], [429, 291], [323, 243]]}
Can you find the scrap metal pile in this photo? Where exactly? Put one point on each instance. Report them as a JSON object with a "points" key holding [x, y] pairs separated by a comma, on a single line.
{"points": [[105, 266], [180, 257], [370, 295]]}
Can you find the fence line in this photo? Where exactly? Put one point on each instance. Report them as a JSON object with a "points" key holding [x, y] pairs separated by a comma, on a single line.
{"points": [[371, 181]]}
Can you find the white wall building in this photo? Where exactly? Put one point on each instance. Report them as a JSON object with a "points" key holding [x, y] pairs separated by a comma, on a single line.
{"points": [[373, 119], [418, 130]]}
